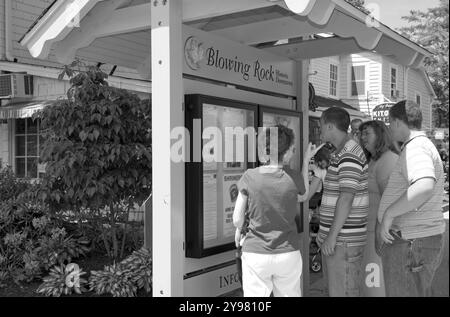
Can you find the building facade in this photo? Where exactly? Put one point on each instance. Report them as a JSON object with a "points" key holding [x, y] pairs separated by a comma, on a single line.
{"points": [[366, 80], [19, 135]]}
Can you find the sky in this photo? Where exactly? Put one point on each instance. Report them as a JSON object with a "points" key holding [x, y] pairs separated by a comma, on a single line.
{"points": [[391, 11]]}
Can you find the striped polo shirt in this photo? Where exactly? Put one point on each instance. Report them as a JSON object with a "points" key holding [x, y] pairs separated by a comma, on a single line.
{"points": [[418, 159], [348, 172]]}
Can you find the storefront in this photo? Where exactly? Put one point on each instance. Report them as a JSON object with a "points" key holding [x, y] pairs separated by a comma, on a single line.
{"points": [[206, 71]]}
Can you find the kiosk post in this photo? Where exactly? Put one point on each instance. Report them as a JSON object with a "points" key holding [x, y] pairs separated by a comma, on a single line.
{"points": [[167, 178]]}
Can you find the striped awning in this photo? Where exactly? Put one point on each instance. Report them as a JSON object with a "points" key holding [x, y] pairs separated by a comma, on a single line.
{"points": [[23, 109]]}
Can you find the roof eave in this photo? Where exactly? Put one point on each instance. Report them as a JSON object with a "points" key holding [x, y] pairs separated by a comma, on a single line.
{"points": [[41, 21], [382, 27]]}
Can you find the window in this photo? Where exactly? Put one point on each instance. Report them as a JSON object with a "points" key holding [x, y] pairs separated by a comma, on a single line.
{"points": [[27, 140], [418, 99], [358, 80], [333, 79], [394, 82]]}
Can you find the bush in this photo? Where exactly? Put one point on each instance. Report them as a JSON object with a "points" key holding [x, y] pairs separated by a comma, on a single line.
{"points": [[125, 278], [97, 152], [10, 185], [31, 241], [63, 280], [114, 279]]}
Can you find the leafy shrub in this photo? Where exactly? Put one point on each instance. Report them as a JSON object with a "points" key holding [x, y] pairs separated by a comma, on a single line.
{"points": [[63, 280], [140, 263], [125, 278], [31, 240], [59, 249], [114, 279], [10, 185], [97, 151]]}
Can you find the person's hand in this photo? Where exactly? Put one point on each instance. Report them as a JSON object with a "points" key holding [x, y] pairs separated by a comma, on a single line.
{"points": [[311, 150], [237, 237], [328, 246], [378, 240], [385, 226]]}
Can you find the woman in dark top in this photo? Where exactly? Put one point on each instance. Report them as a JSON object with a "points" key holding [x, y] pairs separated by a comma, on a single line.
{"points": [[271, 259]]}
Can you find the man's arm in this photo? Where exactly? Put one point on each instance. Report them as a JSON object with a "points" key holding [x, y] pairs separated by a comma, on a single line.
{"points": [[417, 194], [418, 169], [343, 207], [413, 198]]}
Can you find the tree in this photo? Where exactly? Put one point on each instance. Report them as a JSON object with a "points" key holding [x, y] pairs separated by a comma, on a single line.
{"points": [[359, 4], [97, 150], [430, 29]]}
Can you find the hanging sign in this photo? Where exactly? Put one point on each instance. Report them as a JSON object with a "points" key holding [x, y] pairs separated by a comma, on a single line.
{"points": [[381, 112], [209, 56]]}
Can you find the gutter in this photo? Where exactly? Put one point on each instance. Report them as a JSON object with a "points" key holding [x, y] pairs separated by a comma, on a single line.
{"points": [[8, 31]]}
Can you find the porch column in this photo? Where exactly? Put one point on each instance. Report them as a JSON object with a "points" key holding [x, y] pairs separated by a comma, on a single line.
{"points": [[168, 177], [303, 106]]}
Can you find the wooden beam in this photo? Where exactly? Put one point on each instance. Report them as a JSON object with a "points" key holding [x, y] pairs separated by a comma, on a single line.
{"points": [[317, 48], [346, 26], [321, 12], [168, 184], [56, 25], [84, 35], [201, 9], [276, 29], [303, 106]]}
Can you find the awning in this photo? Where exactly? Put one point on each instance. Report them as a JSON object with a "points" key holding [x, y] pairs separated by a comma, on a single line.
{"points": [[323, 103], [23, 109]]}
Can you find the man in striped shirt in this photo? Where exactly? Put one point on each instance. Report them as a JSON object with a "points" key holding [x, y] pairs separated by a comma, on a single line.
{"points": [[344, 208], [409, 235]]}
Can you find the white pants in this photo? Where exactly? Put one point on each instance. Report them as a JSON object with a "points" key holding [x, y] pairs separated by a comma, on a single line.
{"points": [[264, 273]]}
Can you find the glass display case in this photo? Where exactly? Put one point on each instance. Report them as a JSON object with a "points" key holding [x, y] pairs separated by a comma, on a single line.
{"points": [[222, 138], [227, 151]]}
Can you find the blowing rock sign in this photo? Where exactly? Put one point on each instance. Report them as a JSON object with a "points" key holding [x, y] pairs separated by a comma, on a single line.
{"points": [[210, 57]]}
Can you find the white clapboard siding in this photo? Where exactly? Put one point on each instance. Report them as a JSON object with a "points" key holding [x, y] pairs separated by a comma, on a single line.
{"points": [[24, 14], [2, 28], [386, 82], [49, 89], [321, 80], [417, 84], [373, 80]]}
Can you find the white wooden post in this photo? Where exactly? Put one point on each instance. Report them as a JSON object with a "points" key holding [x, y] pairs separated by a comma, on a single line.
{"points": [[303, 106], [168, 177]]}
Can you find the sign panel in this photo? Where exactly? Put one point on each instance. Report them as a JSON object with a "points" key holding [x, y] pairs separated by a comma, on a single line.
{"points": [[381, 112], [439, 135], [212, 283], [216, 58], [230, 194]]}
